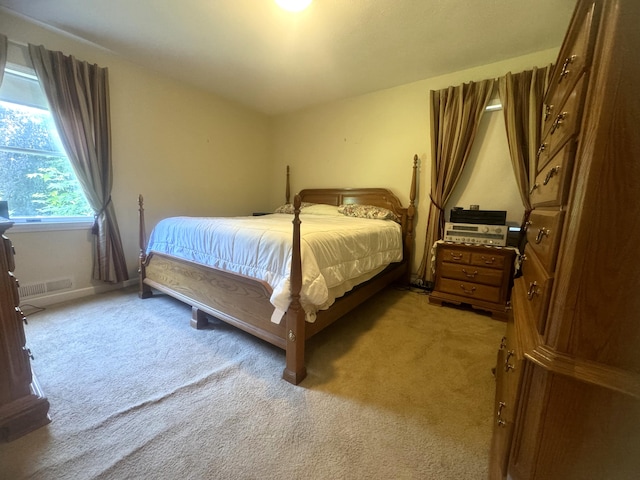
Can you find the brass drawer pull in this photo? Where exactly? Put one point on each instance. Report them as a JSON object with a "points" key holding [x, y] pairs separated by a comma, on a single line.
{"points": [[551, 173], [508, 366], [469, 275], [21, 316], [541, 148], [489, 261], [503, 343], [548, 110], [542, 232], [532, 290], [468, 291], [500, 421], [565, 67], [535, 185], [558, 121], [455, 256]]}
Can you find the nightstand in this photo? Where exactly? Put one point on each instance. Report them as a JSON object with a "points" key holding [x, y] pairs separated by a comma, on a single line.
{"points": [[478, 275]]}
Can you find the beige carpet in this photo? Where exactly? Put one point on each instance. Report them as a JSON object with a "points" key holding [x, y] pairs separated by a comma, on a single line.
{"points": [[399, 389]]}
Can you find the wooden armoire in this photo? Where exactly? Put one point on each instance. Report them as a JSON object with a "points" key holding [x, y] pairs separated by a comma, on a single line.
{"points": [[567, 400]]}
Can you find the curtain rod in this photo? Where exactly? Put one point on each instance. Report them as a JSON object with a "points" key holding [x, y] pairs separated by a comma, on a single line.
{"points": [[17, 44]]}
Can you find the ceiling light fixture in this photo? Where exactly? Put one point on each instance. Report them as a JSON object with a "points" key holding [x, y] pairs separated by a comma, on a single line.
{"points": [[293, 5]]}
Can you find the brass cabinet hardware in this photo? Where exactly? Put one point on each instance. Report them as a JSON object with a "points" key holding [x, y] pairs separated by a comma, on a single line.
{"points": [[551, 173], [565, 67]]}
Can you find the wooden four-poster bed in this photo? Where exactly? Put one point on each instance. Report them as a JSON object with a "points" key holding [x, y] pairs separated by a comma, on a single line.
{"points": [[245, 302]]}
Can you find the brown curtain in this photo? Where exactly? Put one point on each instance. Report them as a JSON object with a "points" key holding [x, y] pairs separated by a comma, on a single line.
{"points": [[522, 95], [455, 114], [78, 94]]}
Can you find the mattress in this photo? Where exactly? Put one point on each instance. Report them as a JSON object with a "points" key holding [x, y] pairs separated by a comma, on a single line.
{"points": [[338, 252]]}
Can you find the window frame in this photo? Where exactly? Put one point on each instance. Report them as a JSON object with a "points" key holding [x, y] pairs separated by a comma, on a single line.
{"points": [[42, 223]]}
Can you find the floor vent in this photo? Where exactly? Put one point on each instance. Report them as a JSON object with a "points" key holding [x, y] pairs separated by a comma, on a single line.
{"points": [[42, 288]]}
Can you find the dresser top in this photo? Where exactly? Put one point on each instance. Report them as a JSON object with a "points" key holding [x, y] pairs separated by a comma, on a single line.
{"points": [[5, 224]]}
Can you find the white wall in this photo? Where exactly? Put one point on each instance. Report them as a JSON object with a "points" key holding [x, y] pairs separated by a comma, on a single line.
{"points": [[370, 141], [186, 150]]}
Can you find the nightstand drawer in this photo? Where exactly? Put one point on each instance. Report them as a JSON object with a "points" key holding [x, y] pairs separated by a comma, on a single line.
{"points": [[469, 289], [472, 273], [454, 255], [488, 259]]}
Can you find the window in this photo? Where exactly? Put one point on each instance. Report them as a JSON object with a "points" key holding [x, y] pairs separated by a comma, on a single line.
{"points": [[36, 177]]}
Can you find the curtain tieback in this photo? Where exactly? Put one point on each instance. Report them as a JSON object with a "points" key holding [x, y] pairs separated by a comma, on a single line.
{"points": [[435, 204], [94, 228]]}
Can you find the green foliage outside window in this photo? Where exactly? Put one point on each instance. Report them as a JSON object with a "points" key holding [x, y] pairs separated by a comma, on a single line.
{"points": [[36, 177]]}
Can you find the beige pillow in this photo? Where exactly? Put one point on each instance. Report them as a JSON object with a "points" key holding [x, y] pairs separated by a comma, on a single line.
{"points": [[367, 211], [288, 207]]}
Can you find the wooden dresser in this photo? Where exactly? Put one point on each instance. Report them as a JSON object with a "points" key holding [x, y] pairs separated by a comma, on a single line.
{"points": [[474, 274], [567, 400], [23, 407]]}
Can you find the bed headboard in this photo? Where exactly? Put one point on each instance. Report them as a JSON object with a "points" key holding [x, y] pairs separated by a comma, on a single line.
{"points": [[379, 197]]}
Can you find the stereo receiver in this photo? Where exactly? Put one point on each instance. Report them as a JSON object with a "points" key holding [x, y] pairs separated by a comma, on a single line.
{"points": [[476, 234]]}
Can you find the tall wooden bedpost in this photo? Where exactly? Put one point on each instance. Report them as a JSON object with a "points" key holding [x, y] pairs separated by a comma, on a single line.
{"points": [[144, 291], [295, 369], [288, 188], [411, 211]]}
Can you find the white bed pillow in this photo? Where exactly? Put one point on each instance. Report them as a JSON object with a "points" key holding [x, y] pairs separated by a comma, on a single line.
{"points": [[322, 209]]}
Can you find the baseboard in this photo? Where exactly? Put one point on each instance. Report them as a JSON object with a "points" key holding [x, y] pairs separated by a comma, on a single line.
{"points": [[59, 297]]}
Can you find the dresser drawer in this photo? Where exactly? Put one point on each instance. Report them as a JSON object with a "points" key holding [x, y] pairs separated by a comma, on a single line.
{"points": [[552, 184], [21, 319], [8, 251], [537, 283], [472, 273], [469, 289], [544, 230], [511, 365], [564, 124], [571, 65], [508, 368], [13, 285]]}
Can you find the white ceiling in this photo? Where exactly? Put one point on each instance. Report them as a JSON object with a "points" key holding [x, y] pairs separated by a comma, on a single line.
{"points": [[252, 52]]}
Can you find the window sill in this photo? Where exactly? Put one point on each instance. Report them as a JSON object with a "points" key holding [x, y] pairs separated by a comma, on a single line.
{"points": [[30, 227]]}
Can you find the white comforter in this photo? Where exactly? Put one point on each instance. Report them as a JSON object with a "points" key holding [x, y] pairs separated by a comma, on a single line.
{"points": [[338, 252]]}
